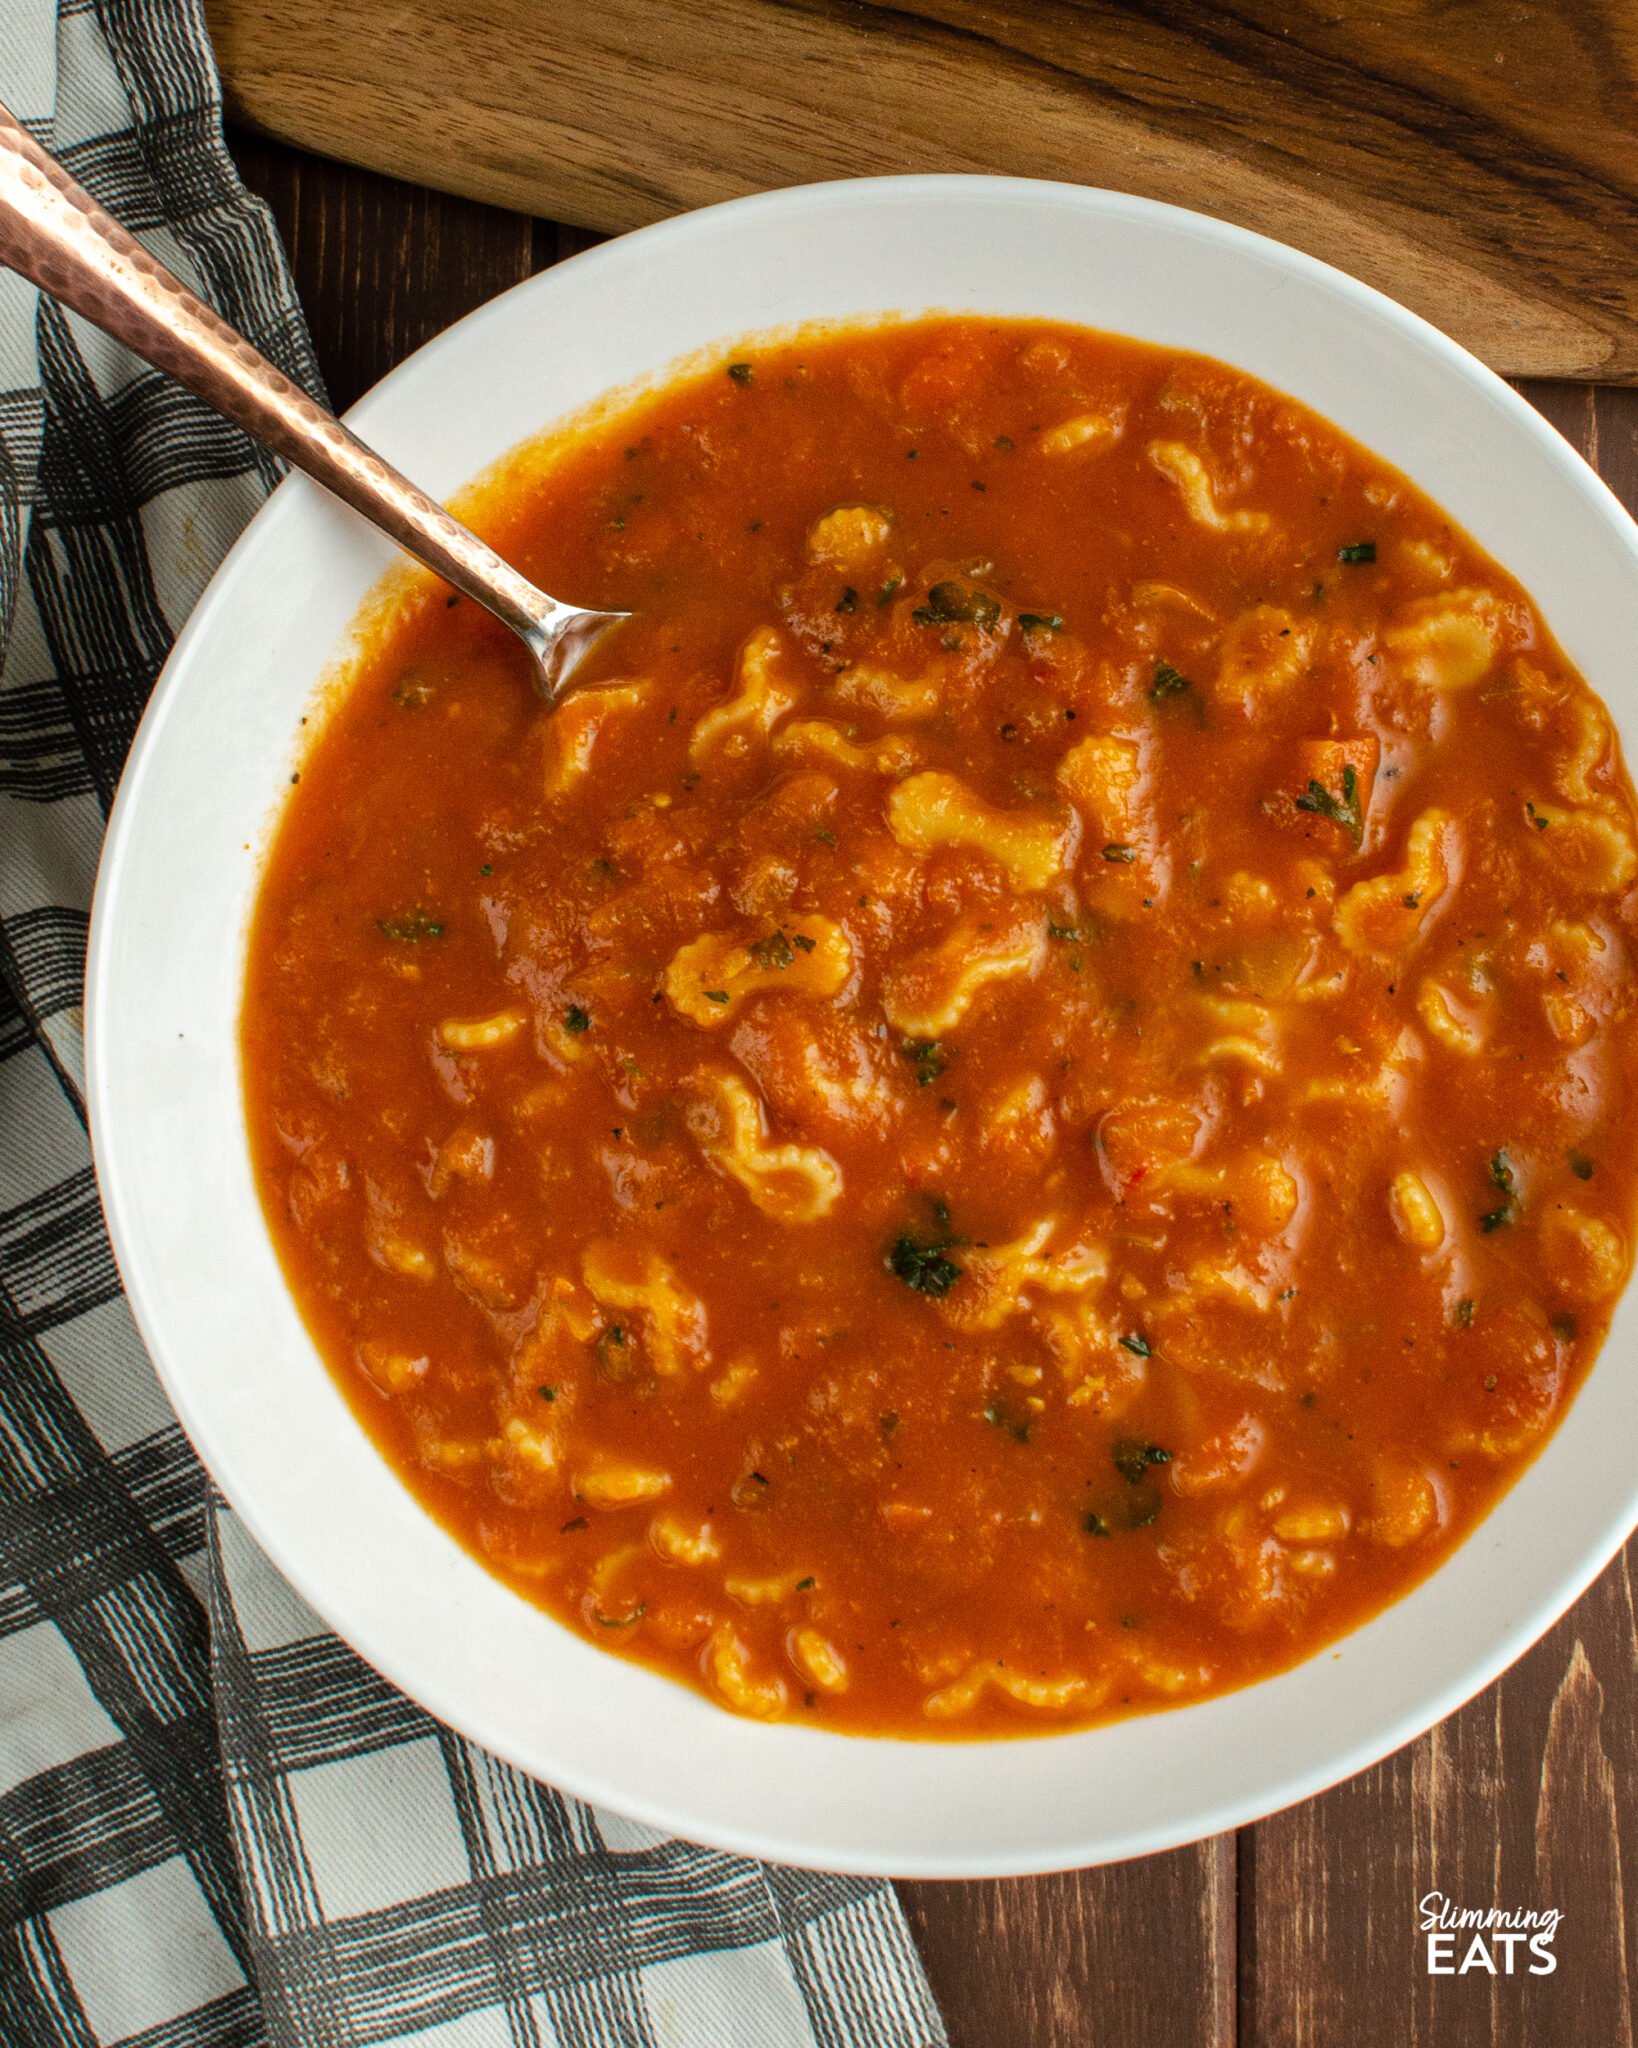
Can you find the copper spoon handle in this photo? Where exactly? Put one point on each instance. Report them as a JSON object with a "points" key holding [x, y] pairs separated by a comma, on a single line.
{"points": [[55, 234]]}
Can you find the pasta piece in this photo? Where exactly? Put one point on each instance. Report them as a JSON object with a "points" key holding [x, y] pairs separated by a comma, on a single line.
{"points": [[1247, 1034], [901, 700], [1453, 1022], [465, 1155], [1000, 1279], [1264, 652], [1585, 1255], [1448, 642], [1164, 1674], [1175, 460], [642, 1283], [1101, 1374], [1137, 1140], [393, 1372], [1589, 749], [680, 1542], [1312, 1522], [605, 1481], [930, 994], [850, 537], [819, 1660], [1592, 850], [1259, 1189], [1222, 1461], [712, 977], [530, 1445], [1047, 1695], [1384, 916], [1416, 1212], [1100, 776], [576, 725], [933, 809], [791, 1183], [759, 701], [729, 1667], [1019, 1120], [816, 739], [481, 1034], [1405, 1503], [1082, 433]]}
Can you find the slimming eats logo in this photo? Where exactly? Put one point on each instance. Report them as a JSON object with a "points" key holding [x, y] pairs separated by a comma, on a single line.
{"points": [[1487, 1938]]}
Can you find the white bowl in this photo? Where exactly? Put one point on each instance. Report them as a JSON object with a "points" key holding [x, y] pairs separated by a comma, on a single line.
{"points": [[211, 766]]}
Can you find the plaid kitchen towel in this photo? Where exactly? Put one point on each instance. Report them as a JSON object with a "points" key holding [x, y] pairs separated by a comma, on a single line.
{"points": [[217, 1826]]}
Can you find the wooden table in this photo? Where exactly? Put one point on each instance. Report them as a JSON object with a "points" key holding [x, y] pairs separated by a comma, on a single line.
{"points": [[1301, 1932]]}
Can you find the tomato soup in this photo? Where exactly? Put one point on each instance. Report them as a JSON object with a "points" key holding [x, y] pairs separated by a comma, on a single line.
{"points": [[1022, 1105]]}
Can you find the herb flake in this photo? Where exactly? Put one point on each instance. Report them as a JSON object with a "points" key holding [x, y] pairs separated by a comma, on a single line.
{"points": [[929, 1057], [923, 1267], [1345, 812], [410, 927], [955, 604]]}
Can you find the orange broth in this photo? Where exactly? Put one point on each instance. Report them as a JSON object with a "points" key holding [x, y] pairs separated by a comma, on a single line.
{"points": [[1022, 1107]]}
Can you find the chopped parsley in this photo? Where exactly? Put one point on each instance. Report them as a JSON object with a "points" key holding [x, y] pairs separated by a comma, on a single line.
{"points": [[1462, 1314], [741, 373], [888, 589], [929, 1057], [1094, 1524], [547, 1393], [576, 1019], [825, 837], [1357, 551], [952, 604], [1345, 812], [1118, 852], [1139, 1344], [1133, 1459], [773, 951], [1501, 1174], [1040, 622], [609, 1348], [621, 1621], [1536, 818], [1168, 682], [1580, 1165], [849, 599], [715, 995], [806, 1585], [410, 928], [923, 1266]]}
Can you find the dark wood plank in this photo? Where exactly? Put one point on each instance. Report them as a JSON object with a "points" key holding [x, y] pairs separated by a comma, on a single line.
{"points": [[381, 266], [1135, 1955], [1516, 1801], [1476, 161]]}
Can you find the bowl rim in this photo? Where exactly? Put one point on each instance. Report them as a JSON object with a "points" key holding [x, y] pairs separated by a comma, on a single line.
{"points": [[441, 1695]]}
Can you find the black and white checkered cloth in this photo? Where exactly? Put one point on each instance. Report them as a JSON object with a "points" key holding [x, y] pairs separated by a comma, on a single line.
{"points": [[218, 1826]]}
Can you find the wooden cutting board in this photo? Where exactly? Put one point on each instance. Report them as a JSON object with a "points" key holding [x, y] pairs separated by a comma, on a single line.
{"points": [[1477, 161]]}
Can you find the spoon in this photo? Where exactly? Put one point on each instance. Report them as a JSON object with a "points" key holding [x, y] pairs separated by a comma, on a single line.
{"points": [[55, 234]]}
